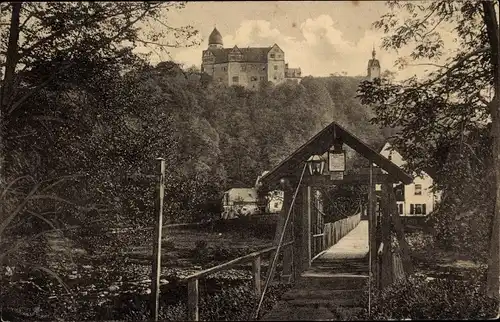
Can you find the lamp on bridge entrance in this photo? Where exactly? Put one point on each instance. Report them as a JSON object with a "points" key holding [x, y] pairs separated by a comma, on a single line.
{"points": [[316, 165]]}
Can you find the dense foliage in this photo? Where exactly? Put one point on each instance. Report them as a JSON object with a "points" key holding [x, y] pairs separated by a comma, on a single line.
{"points": [[416, 299], [443, 119]]}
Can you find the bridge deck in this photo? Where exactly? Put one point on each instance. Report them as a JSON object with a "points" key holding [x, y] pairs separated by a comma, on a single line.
{"points": [[333, 284], [352, 245]]}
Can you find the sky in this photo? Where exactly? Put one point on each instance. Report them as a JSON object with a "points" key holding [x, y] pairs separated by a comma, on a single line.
{"points": [[320, 37]]}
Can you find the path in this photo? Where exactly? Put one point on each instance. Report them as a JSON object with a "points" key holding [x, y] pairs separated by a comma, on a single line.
{"points": [[332, 286]]}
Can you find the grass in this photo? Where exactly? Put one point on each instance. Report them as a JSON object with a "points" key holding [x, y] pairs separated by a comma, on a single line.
{"points": [[105, 273]]}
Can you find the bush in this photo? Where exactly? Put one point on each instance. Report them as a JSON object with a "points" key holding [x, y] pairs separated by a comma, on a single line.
{"points": [[421, 298]]}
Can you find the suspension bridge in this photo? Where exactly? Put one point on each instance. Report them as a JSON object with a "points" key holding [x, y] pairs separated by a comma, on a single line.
{"points": [[330, 265]]}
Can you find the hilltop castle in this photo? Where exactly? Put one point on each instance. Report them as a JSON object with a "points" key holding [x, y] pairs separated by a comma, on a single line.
{"points": [[246, 66]]}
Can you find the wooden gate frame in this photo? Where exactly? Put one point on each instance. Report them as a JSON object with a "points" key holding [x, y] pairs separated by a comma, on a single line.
{"points": [[285, 176]]}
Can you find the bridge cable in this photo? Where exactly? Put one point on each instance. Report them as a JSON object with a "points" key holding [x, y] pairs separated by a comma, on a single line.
{"points": [[276, 254]]}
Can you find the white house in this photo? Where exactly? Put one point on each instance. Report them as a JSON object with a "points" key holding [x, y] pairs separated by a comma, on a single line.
{"points": [[274, 201], [239, 202], [416, 198]]}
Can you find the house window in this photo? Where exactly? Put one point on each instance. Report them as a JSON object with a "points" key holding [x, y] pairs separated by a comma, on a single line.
{"points": [[418, 190], [264, 68], [279, 56], [417, 209], [400, 208], [236, 79], [253, 78], [224, 68], [275, 78], [272, 55], [275, 67], [276, 204], [262, 78], [389, 157], [243, 68], [378, 187]]}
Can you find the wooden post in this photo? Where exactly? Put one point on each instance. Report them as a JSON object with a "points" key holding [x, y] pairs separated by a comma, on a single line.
{"points": [[297, 235], [287, 251], [400, 233], [156, 271], [386, 237], [306, 229], [371, 246], [256, 275], [193, 309]]}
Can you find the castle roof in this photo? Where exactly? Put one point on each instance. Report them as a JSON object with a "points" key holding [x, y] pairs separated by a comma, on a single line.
{"points": [[215, 37], [250, 54]]}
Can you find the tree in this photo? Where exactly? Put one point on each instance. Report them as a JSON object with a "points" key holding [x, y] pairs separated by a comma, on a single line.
{"points": [[437, 114], [62, 61]]}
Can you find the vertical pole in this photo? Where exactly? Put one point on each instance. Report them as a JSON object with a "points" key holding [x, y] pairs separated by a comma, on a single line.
{"points": [[308, 227], [193, 309], [370, 239], [256, 275], [155, 278], [386, 236], [287, 251]]}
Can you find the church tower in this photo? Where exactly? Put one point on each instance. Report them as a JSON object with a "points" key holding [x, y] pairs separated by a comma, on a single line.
{"points": [[215, 40], [373, 67]]}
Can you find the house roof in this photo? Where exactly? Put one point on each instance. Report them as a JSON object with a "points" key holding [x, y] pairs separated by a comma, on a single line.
{"points": [[431, 172], [321, 143], [242, 194], [250, 54]]}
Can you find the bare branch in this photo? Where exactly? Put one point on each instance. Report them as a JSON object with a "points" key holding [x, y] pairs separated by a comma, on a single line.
{"points": [[456, 65], [434, 28], [427, 64]]}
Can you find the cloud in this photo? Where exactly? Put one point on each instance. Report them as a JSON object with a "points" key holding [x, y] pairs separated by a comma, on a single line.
{"points": [[321, 48]]}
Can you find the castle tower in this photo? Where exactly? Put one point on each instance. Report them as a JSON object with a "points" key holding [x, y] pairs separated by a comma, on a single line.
{"points": [[215, 40], [373, 67]]}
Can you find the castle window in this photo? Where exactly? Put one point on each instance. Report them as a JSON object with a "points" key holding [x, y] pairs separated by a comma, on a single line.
{"points": [[253, 78], [275, 67], [262, 78], [272, 55], [224, 69], [243, 67], [236, 79], [264, 68]]}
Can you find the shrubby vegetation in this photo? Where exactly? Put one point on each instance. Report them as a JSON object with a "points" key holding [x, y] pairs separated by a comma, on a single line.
{"points": [[438, 299]]}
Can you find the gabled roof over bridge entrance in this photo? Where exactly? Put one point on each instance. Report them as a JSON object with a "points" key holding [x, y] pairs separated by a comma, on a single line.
{"points": [[321, 143]]}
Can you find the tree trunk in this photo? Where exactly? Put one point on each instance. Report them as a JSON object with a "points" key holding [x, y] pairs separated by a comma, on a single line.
{"points": [[493, 276], [12, 55]]}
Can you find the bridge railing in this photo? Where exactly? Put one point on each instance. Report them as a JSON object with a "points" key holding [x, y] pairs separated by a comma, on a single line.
{"points": [[333, 232], [255, 258]]}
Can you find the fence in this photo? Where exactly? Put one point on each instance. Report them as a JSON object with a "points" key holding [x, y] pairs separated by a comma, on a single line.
{"points": [[333, 232], [255, 258]]}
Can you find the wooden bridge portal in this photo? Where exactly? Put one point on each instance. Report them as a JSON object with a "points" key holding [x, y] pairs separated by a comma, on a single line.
{"points": [[324, 270]]}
